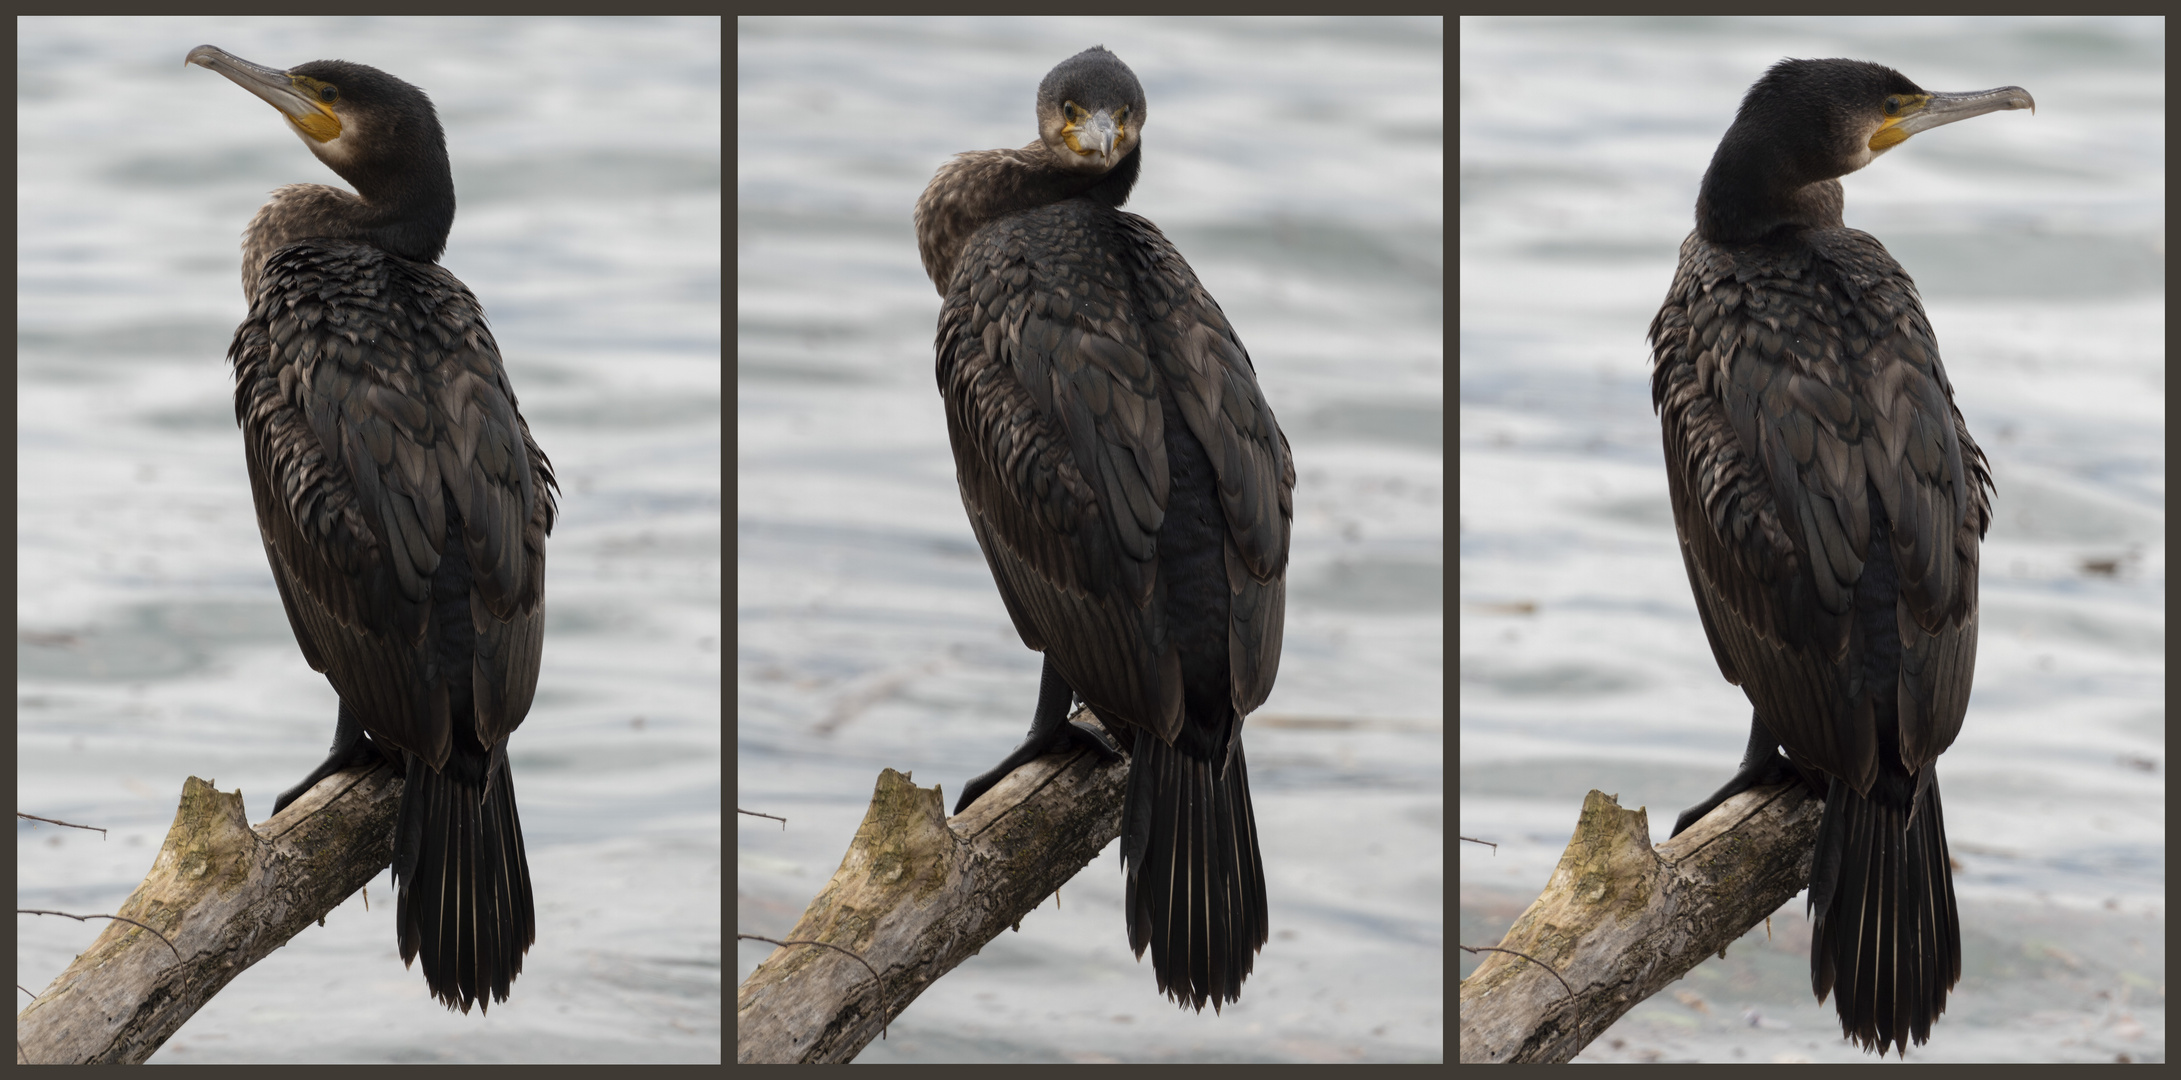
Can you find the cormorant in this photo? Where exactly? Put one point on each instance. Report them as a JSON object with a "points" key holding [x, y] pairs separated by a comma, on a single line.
{"points": [[1830, 503], [403, 505], [1132, 494]]}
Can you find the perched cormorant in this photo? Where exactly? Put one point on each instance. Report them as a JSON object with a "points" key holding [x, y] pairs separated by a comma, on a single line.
{"points": [[403, 505], [1830, 503], [1132, 494]]}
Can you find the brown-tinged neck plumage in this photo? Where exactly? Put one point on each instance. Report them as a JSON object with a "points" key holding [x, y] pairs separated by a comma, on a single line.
{"points": [[299, 212], [980, 187]]}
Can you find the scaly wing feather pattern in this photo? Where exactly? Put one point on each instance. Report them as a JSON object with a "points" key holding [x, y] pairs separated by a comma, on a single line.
{"points": [[373, 405], [1053, 409], [1052, 371], [1215, 386], [1803, 403]]}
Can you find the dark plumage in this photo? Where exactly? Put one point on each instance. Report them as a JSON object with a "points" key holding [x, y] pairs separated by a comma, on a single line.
{"points": [[1132, 494], [403, 505], [1830, 503]]}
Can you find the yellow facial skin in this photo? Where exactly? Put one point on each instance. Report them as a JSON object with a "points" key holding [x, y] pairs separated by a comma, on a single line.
{"points": [[1899, 107], [1087, 133], [319, 124]]}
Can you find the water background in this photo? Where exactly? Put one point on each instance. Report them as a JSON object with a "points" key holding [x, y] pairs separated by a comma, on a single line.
{"points": [[151, 641], [2037, 244], [1298, 165]]}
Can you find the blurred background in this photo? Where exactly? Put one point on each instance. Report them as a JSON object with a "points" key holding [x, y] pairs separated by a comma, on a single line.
{"points": [[2037, 243], [1298, 164], [151, 644]]}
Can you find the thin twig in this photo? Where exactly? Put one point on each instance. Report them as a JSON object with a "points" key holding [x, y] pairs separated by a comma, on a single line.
{"points": [[69, 824], [886, 999], [116, 918], [1579, 1036]]}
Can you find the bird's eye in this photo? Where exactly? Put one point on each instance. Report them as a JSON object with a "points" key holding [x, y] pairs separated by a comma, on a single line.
{"points": [[329, 94], [1893, 105]]}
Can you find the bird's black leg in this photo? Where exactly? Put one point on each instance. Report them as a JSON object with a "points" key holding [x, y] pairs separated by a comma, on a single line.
{"points": [[1762, 764], [1050, 731], [349, 747]]}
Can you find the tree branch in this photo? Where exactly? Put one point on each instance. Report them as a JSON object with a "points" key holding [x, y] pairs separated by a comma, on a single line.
{"points": [[916, 895], [227, 895], [1619, 919]]}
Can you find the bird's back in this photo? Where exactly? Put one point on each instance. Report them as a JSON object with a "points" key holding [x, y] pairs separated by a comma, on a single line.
{"points": [[1121, 469], [402, 501], [1826, 490]]}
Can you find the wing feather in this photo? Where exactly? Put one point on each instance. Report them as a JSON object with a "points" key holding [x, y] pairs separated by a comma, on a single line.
{"points": [[373, 404], [1800, 393], [1052, 371]]}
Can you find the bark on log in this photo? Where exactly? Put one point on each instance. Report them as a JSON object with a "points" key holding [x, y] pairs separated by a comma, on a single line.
{"points": [[916, 895], [227, 895], [1619, 920]]}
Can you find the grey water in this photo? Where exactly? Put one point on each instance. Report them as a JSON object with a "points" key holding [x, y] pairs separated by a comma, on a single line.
{"points": [[1298, 164], [2036, 241], [151, 644]]}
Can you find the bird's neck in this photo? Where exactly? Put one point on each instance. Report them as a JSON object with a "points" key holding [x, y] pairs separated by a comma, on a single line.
{"points": [[1749, 196], [405, 207], [1112, 189], [413, 226], [976, 189]]}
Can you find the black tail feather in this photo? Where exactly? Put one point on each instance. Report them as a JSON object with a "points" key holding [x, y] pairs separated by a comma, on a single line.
{"points": [[464, 882], [1196, 882], [1888, 937]]}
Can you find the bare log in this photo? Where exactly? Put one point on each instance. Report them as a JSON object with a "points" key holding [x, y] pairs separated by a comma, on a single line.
{"points": [[227, 895], [1620, 920], [916, 895]]}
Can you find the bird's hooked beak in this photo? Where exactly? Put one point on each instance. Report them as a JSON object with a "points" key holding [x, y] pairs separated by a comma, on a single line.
{"points": [[1095, 134], [297, 97], [1907, 114]]}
